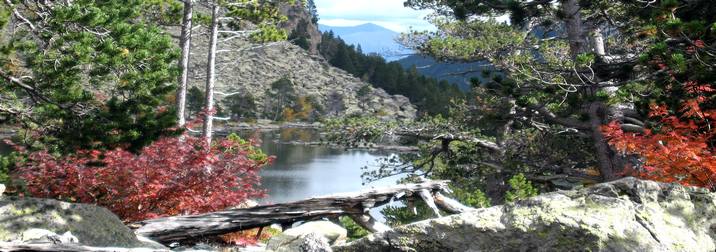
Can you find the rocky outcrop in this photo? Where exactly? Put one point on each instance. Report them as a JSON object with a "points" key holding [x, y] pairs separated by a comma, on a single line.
{"points": [[30, 220], [624, 215], [299, 20]]}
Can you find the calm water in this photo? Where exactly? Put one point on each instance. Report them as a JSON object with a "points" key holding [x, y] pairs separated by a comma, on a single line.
{"points": [[302, 171]]}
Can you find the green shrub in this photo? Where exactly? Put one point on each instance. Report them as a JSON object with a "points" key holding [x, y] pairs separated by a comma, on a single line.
{"points": [[473, 198], [355, 231], [363, 91], [521, 188]]}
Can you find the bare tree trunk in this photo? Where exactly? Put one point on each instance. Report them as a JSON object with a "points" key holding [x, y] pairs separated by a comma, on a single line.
{"points": [[608, 162], [211, 73], [598, 43], [573, 24], [506, 128], [185, 43]]}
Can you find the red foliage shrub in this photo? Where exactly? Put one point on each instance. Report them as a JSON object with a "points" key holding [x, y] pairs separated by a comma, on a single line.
{"points": [[680, 147], [169, 177]]}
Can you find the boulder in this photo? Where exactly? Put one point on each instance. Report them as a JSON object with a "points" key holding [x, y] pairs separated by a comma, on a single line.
{"points": [[311, 242], [624, 215], [315, 236], [31, 219], [35, 235], [335, 234]]}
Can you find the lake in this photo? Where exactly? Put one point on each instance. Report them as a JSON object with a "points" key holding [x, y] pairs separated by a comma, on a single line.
{"points": [[304, 171]]}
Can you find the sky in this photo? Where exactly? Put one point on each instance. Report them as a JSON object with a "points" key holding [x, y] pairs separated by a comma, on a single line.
{"points": [[387, 13]]}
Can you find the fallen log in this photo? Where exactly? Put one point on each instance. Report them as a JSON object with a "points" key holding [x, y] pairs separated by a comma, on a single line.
{"points": [[356, 205], [50, 247]]}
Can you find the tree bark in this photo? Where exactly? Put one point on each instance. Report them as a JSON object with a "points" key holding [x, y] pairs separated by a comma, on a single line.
{"points": [[597, 113], [608, 161], [211, 74], [185, 43], [573, 24]]}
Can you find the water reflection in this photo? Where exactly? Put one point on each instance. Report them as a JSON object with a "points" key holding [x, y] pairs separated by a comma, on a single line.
{"points": [[303, 171]]}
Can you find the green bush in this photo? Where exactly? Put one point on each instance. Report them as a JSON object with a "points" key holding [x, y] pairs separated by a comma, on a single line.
{"points": [[473, 198], [397, 216], [521, 188], [363, 91], [7, 164], [355, 231]]}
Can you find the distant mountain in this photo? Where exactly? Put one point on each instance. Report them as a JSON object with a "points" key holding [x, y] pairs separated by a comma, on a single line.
{"points": [[458, 74], [376, 39], [372, 38]]}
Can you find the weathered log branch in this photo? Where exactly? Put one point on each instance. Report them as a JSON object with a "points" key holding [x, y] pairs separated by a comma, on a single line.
{"points": [[356, 205], [369, 223], [9, 247]]}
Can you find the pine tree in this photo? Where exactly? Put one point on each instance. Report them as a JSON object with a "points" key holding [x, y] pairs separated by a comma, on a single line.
{"points": [[577, 59], [88, 74], [311, 5]]}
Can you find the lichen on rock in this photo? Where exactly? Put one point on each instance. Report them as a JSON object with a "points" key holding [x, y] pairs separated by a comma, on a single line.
{"points": [[624, 215]]}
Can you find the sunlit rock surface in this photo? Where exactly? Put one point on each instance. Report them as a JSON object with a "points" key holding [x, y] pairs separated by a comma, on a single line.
{"points": [[624, 215], [90, 225]]}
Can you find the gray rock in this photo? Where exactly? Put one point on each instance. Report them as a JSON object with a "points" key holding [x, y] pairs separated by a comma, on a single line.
{"points": [[310, 242], [2, 189], [624, 215], [335, 234], [30, 218], [36, 235]]}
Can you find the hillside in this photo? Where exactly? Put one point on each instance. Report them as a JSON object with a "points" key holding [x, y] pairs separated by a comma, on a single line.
{"points": [[459, 74], [253, 71]]}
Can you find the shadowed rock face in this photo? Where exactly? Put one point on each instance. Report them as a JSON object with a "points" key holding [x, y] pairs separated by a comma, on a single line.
{"points": [[624, 215], [91, 225]]}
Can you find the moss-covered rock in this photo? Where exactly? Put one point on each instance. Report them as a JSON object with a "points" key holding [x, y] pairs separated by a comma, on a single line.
{"points": [[92, 225], [624, 215]]}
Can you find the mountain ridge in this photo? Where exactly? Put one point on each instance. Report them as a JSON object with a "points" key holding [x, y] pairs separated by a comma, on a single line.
{"points": [[372, 38]]}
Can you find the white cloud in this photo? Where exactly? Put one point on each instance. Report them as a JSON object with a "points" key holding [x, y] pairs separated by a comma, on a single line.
{"points": [[387, 13]]}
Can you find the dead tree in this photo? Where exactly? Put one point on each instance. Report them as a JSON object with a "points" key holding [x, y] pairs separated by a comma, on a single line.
{"points": [[356, 205]]}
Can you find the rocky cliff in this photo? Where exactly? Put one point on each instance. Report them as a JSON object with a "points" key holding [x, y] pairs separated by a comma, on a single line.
{"points": [[300, 20], [624, 215]]}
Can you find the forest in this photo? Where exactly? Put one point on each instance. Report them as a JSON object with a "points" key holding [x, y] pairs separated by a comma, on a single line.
{"points": [[99, 105]]}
